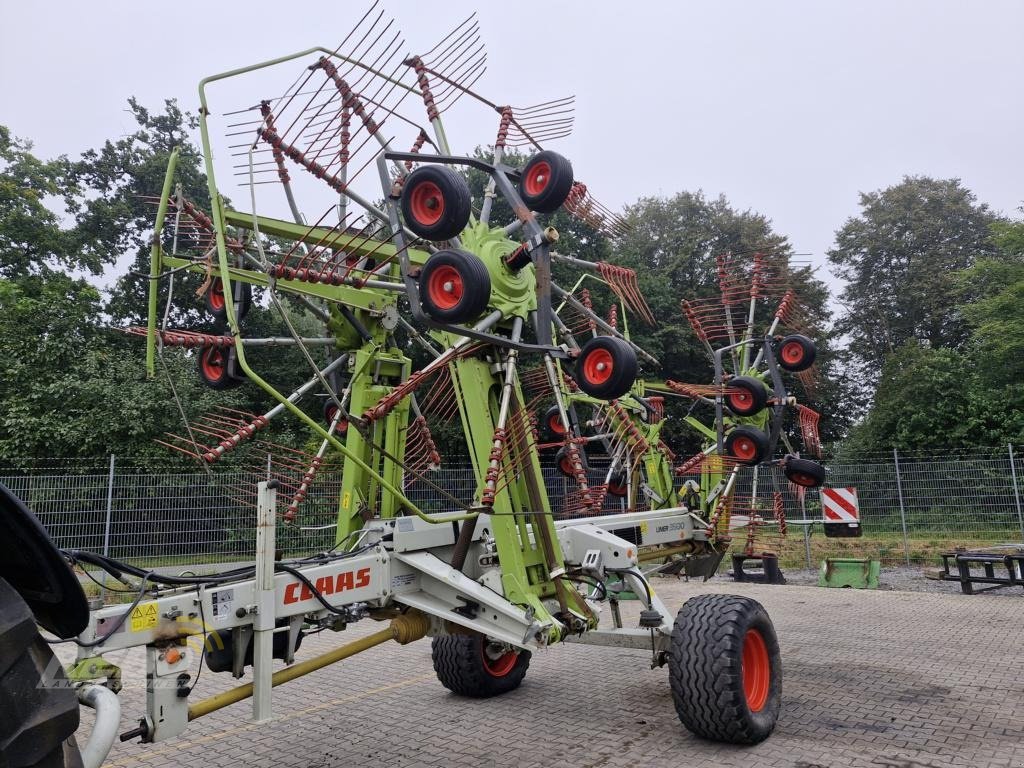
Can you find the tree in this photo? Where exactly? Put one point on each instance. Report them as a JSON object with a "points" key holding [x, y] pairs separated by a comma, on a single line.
{"points": [[899, 258]]}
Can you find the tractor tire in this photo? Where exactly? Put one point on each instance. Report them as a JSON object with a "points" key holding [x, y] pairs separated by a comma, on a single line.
{"points": [[546, 182], [466, 665], [725, 669], [436, 202], [38, 711]]}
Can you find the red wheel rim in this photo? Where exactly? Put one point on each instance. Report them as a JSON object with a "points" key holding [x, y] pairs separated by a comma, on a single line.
{"points": [[617, 489], [426, 203], [555, 424], [217, 294], [445, 287], [741, 400], [500, 666], [801, 478], [565, 464], [756, 670], [538, 178], [744, 448], [332, 411], [792, 353], [214, 364], [598, 366]]}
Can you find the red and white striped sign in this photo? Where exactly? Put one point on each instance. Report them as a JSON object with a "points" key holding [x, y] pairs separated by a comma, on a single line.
{"points": [[839, 505]]}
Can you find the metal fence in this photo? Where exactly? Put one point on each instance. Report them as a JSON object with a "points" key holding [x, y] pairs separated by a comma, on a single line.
{"points": [[912, 507]]}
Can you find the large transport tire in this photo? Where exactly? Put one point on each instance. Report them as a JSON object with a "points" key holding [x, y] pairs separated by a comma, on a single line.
{"points": [[436, 202], [725, 669], [470, 665], [38, 710]]}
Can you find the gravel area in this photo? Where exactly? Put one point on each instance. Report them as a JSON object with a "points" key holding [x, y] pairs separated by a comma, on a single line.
{"points": [[902, 578]]}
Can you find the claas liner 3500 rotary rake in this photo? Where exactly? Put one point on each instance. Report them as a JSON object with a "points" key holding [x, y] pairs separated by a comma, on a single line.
{"points": [[502, 576]]}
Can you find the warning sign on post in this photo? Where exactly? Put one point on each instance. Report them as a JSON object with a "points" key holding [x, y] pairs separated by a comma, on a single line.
{"points": [[144, 617], [841, 512]]}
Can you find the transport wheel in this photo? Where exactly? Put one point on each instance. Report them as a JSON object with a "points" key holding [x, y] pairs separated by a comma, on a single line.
{"points": [[606, 367], [750, 397], [804, 472], [472, 665], [213, 365], [725, 669], [796, 353], [455, 286], [546, 182], [553, 422], [215, 301], [748, 445], [435, 202], [38, 710]]}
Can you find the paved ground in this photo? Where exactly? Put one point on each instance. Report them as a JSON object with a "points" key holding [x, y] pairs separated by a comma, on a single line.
{"points": [[879, 679]]}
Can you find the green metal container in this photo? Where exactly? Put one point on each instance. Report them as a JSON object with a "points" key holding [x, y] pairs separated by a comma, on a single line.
{"points": [[855, 572]]}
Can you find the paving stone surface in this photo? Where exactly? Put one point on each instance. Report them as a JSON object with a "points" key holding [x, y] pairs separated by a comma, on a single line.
{"points": [[871, 679]]}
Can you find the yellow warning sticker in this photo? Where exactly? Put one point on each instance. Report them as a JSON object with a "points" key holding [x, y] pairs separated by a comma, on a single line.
{"points": [[144, 617], [643, 526], [346, 499]]}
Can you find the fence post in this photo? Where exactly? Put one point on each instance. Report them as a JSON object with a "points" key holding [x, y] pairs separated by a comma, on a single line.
{"points": [[106, 526], [903, 514], [1016, 491]]}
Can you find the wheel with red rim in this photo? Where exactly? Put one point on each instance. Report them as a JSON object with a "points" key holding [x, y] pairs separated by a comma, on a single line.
{"points": [[725, 669], [796, 353], [745, 395], [473, 665], [455, 286], [436, 202], [215, 365], [617, 485], [545, 182], [553, 422], [563, 461], [748, 445], [606, 367], [330, 411], [214, 300], [803, 472]]}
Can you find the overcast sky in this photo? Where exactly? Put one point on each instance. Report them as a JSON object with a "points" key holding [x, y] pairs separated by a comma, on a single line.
{"points": [[788, 108]]}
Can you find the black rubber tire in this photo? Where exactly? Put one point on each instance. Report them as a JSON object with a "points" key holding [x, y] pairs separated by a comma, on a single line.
{"points": [[546, 182], [606, 350], [459, 664], [38, 710], [795, 353], [562, 461], [706, 669], [752, 399], [803, 472], [214, 367], [748, 445], [617, 485], [471, 286], [213, 299], [552, 418], [428, 188]]}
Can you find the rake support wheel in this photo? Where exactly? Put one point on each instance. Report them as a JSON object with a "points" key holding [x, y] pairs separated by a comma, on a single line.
{"points": [[214, 366], [606, 367], [750, 398], [472, 665], [546, 182], [803, 472], [553, 422], [455, 286], [215, 301], [436, 202], [748, 445], [725, 669], [796, 353]]}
